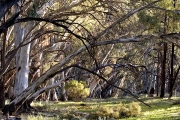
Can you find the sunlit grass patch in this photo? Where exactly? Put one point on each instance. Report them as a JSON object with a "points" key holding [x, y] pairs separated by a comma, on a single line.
{"points": [[161, 109], [37, 117], [160, 114]]}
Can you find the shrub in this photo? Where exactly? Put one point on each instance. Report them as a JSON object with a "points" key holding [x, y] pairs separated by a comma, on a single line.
{"points": [[120, 111], [76, 90], [123, 111], [135, 109], [103, 111], [115, 115]]}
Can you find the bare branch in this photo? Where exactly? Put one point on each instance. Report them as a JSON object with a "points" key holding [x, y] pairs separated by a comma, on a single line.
{"points": [[124, 17], [101, 77], [6, 6]]}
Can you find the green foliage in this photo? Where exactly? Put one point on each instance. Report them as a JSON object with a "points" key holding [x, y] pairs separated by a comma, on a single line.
{"points": [[148, 19], [77, 90], [158, 20], [32, 12]]}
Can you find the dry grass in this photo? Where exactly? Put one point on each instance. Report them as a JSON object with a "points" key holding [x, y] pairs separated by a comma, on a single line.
{"points": [[160, 109]]}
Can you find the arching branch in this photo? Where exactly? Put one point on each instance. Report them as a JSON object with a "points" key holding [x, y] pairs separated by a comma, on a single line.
{"points": [[4, 7]]}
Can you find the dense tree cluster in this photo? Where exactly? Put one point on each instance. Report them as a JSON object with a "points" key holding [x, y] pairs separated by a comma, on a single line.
{"points": [[118, 47]]}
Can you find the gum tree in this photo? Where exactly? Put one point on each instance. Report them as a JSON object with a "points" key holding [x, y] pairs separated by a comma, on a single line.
{"points": [[66, 22]]}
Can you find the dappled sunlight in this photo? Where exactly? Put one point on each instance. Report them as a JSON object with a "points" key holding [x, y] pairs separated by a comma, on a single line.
{"points": [[37, 103], [160, 108], [108, 59]]}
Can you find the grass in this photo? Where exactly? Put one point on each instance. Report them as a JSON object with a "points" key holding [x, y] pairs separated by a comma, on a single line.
{"points": [[161, 109]]}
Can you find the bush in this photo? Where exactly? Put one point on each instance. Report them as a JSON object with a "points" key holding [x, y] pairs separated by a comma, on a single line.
{"points": [[123, 111], [103, 111], [135, 109], [120, 111], [76, 90]]}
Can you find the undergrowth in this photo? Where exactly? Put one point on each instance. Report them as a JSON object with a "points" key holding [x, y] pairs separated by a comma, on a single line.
{"points": [[125, 109]]}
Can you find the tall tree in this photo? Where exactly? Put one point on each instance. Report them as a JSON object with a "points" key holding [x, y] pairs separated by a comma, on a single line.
{"points": [[22, 57], [171, 76], [88, 31], [163, 70]]}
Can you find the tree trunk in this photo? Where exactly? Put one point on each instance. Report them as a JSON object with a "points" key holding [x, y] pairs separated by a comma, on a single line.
{"points": [[63, 96], [22, 62], [2, 95], [158, 74], [3, 62], [110, 91], [163, 72], [22, 97], [40, 91], [94, 82], [52, 95], [171, 76], [22, 57]]}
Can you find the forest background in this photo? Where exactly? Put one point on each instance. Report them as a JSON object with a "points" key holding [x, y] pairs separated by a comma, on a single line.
{"points": [[116, 47]]}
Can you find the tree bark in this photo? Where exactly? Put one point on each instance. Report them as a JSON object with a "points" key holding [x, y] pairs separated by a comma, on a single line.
{"points": [[52, 93], [2, 94], [3, 62], [171, 76], [158, 74], [27, 92], [22, 56], [37, 93], [163, 71], [110, 91], [63, 96], [4, 7]]}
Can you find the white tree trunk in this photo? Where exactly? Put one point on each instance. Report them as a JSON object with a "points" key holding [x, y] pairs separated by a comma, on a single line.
{"points": [[64, 61], [52, 93], [22, 63], [36, 94], [22, 57], [67, 59]]}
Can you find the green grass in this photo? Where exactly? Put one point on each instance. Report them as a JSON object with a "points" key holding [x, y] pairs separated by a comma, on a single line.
{"points": [[161, 109]]}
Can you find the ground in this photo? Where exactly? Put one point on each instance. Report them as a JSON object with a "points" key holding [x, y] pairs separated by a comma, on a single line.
{"points": [[160, 109]]}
